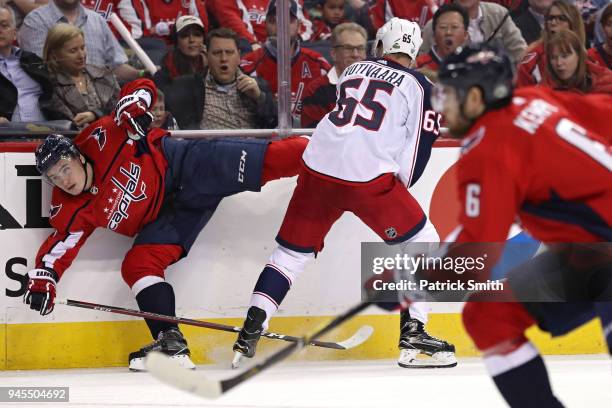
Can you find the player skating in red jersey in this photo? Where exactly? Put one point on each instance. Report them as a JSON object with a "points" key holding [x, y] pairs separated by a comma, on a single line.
{"points": [[544, 158]]}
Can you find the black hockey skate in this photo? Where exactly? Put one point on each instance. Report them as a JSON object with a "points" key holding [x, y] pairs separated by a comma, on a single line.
{"points": [[170, 342], [414, 340], [248, 337]]}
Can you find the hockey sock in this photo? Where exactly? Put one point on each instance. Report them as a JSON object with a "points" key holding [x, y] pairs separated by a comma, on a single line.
{"points": [[270, 290], [419, 311], [157, 298], [527, 386]]}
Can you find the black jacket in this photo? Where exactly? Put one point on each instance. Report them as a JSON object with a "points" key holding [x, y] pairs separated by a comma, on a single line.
{"points": [[528, 24], [37, 70], [185, 99]]}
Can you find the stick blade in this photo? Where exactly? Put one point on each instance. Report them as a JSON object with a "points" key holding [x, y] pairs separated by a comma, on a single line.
{"points": [[167, 371], [359, 337]]}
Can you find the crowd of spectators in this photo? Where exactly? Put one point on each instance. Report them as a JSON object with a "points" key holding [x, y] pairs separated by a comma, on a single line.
{"points": [[217, 59]]}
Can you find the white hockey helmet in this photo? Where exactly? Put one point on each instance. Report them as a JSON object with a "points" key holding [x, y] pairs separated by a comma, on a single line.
{"points": [[379, 35], [402, 36]]}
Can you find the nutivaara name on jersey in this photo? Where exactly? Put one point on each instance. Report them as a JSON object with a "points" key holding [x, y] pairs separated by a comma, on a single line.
{"points": [[127, 195], [373, 70]]}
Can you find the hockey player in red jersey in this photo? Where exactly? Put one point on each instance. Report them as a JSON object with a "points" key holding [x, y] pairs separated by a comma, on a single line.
{"points": [[546, 158], [420, 11], [248, 18], [157, 18], [306, 65], [362, 158], [137, 182]]}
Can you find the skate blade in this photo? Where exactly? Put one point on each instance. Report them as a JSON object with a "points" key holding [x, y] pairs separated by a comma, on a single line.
{"points": [[237, 359], [138, 364], [412, 359]]}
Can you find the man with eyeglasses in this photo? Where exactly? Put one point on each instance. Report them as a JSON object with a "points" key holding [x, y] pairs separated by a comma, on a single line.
{"points": [[489, 22], [349, 42], [450, 27]]}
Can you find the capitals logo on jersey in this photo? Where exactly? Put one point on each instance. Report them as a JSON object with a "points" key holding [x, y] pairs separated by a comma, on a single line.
{"points": [[257, 16], [99, 134], [54, 210], [125, 195]]}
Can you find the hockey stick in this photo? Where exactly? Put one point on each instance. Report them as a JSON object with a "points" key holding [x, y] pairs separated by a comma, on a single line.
{"points": [[167, 371], [356, 339]]}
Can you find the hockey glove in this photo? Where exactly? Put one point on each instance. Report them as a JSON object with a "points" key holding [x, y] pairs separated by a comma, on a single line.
{"points": [[41, 290], [133, 115]]}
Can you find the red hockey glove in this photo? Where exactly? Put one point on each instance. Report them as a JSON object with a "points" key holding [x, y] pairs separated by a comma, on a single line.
{"points": [[41, 290], [133, 115]]}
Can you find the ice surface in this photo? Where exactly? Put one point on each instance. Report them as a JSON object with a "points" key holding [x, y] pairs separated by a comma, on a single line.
{"points": [[579, 381]]}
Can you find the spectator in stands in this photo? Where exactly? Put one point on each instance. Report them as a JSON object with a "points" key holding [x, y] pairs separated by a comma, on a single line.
{"points": [[489, 22], [512, 5], [102, 47], [332, 14], [601, 53], [598, 31], [570, 69], [157, 18], [248, 19], [188, 55], [349, 45], [224, 97], [358, 11], [450, 29], [306, 65], [154, 47], [22, 7], [24, 80], [530, 20], [419, 11], [560, 16], [163, 118], [82, 92]]}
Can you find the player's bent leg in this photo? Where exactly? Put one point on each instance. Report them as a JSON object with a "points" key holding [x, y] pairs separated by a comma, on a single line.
{"points": [[308, 219], [512, 361], [143, 270], [274, 282]]}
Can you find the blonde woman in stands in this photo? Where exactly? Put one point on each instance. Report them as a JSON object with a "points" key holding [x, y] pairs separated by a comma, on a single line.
{"points": [[81, 92]]}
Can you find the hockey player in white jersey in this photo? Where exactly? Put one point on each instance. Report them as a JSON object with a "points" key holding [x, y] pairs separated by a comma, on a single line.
{"points": [[413, 319], [362, 158]]}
